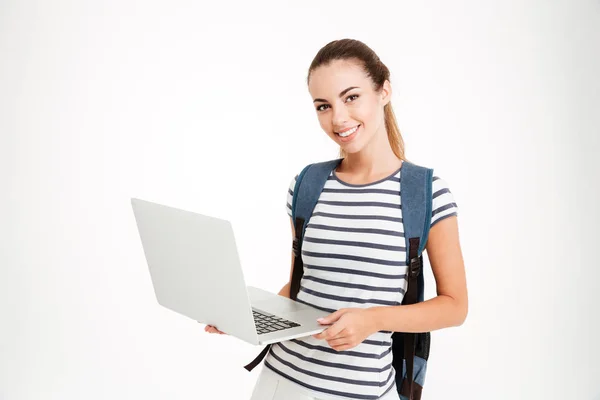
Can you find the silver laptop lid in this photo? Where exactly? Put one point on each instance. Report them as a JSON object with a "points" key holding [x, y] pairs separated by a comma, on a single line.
{"points": [[195, 267]]}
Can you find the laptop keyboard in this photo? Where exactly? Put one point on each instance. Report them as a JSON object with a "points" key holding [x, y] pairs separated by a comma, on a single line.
{"points": [[267, 323]]}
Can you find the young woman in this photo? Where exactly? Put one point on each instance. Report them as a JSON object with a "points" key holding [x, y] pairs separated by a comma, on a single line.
{"points": [[354, 235]]}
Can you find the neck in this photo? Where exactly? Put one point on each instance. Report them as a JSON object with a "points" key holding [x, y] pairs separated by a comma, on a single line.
{"points": [[375, 158]]}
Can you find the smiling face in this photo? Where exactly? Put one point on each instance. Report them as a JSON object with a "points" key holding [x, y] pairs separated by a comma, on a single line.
{"points": [[350, 111]]}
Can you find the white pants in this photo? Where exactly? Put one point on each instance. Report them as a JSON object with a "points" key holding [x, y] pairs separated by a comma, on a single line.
{"points": [[272, 386]]}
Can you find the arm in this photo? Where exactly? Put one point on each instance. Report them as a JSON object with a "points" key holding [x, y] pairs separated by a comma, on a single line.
{"points": [[285, 290], [353, 325], [450, 306]]}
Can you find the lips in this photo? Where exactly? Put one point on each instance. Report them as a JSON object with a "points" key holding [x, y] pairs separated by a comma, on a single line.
{"points": [[346, 129], [349, 137]]}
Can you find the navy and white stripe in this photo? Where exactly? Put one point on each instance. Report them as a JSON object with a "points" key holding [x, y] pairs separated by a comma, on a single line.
{"points": [[354, 255]]}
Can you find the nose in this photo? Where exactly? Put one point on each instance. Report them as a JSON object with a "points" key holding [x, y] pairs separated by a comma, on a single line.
{"points": [[340, 116]]}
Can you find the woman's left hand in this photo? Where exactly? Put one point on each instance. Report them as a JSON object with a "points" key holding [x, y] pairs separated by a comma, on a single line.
{"points": [[350, 327]]}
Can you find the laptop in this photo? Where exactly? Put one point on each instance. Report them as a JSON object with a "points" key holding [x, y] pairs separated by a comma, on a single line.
{"points": [[195, 271]]}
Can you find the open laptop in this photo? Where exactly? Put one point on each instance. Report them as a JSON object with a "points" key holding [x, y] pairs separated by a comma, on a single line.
{"points": [[196, 271]]}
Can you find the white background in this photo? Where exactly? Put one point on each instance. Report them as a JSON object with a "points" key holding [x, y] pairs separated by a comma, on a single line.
{"points": [[205, 107]]}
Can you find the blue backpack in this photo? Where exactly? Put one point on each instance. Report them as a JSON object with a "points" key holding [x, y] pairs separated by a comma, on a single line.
{"points": [[410, 350]]}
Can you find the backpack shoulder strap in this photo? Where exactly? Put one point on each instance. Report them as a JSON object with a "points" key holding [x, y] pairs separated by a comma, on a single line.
{"points": [[307, 190], [309, 186], [416, 202]]}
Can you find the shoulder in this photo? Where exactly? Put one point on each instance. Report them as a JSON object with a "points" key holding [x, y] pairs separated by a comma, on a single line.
{"points": [[443, 200], [292, 184], [290, 194], [317, 170]]}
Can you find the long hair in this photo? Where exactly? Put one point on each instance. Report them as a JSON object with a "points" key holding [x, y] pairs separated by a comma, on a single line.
{"points": [[357, 51]]}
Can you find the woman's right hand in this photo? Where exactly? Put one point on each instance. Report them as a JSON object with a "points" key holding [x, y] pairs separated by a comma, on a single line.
{"points": [[212, 329]]}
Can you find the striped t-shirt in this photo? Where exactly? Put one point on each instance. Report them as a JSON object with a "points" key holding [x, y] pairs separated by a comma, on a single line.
{"points": [[354, 257]]}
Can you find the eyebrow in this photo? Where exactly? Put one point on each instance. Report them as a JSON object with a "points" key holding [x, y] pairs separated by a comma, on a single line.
{"points": [[343, 92]]}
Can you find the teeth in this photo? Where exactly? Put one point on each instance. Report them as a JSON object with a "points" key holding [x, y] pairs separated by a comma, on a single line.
{"points": [[348, 133]]}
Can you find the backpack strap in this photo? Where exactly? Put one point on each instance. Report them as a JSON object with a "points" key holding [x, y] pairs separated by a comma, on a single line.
{"points": [[416, 185], [309, 185], [416, 199], [308, 188]]}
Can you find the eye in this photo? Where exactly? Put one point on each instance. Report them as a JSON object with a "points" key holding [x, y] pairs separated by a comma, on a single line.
{"points": [[319, 108]]}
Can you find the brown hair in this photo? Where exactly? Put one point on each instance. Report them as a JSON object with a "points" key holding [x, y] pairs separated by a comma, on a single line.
{"points": [[357, 51]]}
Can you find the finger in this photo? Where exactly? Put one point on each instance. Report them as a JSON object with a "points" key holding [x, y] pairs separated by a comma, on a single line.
{"points": [[343, 334], [335, 330], [331, 318], [343, 347], [338, 342]]}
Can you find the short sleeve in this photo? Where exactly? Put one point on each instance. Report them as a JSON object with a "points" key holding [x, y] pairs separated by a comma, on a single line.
{"points": [[444, 205], [290, 195]]}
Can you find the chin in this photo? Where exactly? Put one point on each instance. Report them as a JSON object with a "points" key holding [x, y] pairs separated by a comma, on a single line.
{"points": [[352, 148]]}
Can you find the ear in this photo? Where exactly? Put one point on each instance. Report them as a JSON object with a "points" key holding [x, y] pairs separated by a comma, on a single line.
{"points": [[386, 92]]}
